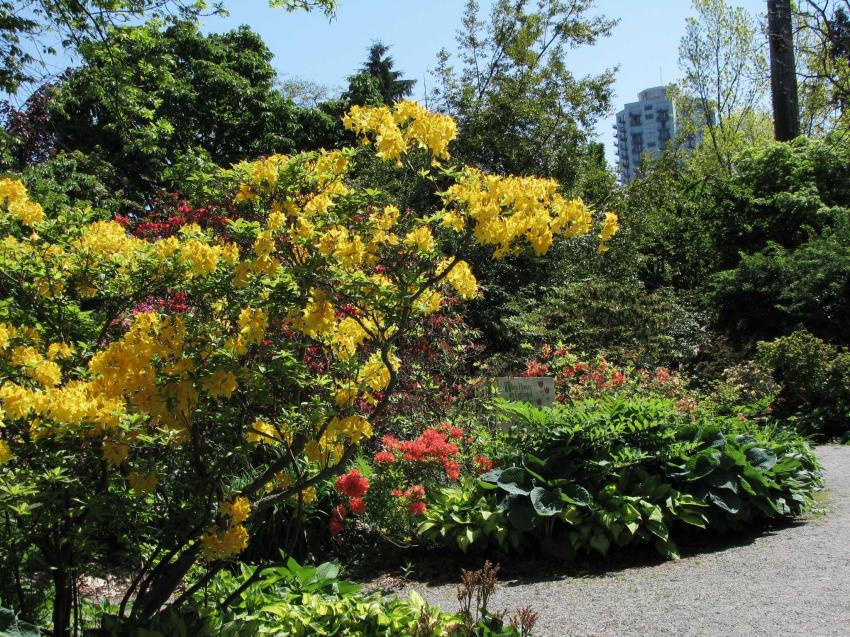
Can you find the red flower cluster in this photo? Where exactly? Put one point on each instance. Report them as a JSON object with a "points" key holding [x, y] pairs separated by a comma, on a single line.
{"points": [[483, 464], [169, 213], [416, 497], [354, 485], [431, 446], [535, 369]]}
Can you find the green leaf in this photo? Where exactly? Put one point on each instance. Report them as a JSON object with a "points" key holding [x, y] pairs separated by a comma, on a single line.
{"points": [[575, 494], [761, 459], [546, 502], [521, 515], [511, 479], [600, 543]]}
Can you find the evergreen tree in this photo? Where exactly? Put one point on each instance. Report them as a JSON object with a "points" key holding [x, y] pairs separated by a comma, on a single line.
{"points": [[380, 66]]}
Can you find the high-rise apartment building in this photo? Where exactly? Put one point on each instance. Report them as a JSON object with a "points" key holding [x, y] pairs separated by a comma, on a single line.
{"points": [[644, 127]]}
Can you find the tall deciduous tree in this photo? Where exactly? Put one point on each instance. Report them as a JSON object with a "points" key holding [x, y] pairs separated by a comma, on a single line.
{"points": [[519, 106], [521, 109], [783, 72], [823, 52], [40, 23], [152, 94], [722, 58]]}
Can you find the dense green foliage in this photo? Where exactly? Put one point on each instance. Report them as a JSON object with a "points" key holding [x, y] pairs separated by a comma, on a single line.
{"points": [[607, 473]]}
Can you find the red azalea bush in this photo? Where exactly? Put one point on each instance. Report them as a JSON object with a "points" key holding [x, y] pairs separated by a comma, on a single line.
{"points": [[403, 475], [169, 213], [578, 376], [437, 356]]}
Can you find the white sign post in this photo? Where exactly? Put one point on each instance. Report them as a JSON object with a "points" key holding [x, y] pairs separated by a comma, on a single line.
{"points": [[539, 391]]}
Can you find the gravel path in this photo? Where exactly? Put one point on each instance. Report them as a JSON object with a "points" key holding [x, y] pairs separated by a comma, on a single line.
{"points": [[788, 581]]}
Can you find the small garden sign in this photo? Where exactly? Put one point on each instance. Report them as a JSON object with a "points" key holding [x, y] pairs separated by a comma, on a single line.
{"points": [[539, 391]]}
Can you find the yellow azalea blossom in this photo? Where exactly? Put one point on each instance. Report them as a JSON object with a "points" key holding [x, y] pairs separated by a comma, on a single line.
{"points": [[220, 544], [12, 191], [610, 226], [345, 397], [429, 302], [421, 238], [407, 125], [279, 482], [375, 373], [7, 333], [142, 483], [347, 337], [252, 328], [318, 317], [109, 240], [355, 428], [220, 383], [460, 277], [59, 351], [506, 209], [199, 258], [6, 454], [115, 452], [263, 432], [313, 451], [237, 509], [28, 213]]}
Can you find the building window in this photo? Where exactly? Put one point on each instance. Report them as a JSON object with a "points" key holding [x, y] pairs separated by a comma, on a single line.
{"points": [[634, 119]]}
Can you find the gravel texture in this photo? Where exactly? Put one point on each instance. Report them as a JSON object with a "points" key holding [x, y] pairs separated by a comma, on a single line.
{"points": [[793, 580]]}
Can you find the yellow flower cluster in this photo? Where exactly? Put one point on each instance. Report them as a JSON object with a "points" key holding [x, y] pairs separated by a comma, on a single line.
{"points": [[345, 247], [460, 277], [5, 453], [421, 238], [43, 371], [115, 452], [108, 240], [405, 126], [374, 373], [7, 333], [318, 317], [220, 383], [218, 543], [610, 226], [13, 193], [252, 329], [237, 510], [505, 209], [355, 428], [142, 483], [264, 433], [347, 337]]}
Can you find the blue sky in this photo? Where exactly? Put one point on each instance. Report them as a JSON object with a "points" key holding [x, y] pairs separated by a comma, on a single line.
{"points": [[644, 45]]}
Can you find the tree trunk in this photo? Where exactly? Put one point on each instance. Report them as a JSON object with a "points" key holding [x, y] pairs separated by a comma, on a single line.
{"points": [[62, 602], [783, 72]]}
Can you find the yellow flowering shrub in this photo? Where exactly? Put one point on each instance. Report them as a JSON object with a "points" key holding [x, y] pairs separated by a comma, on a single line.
{"points": [[278, 360]]}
